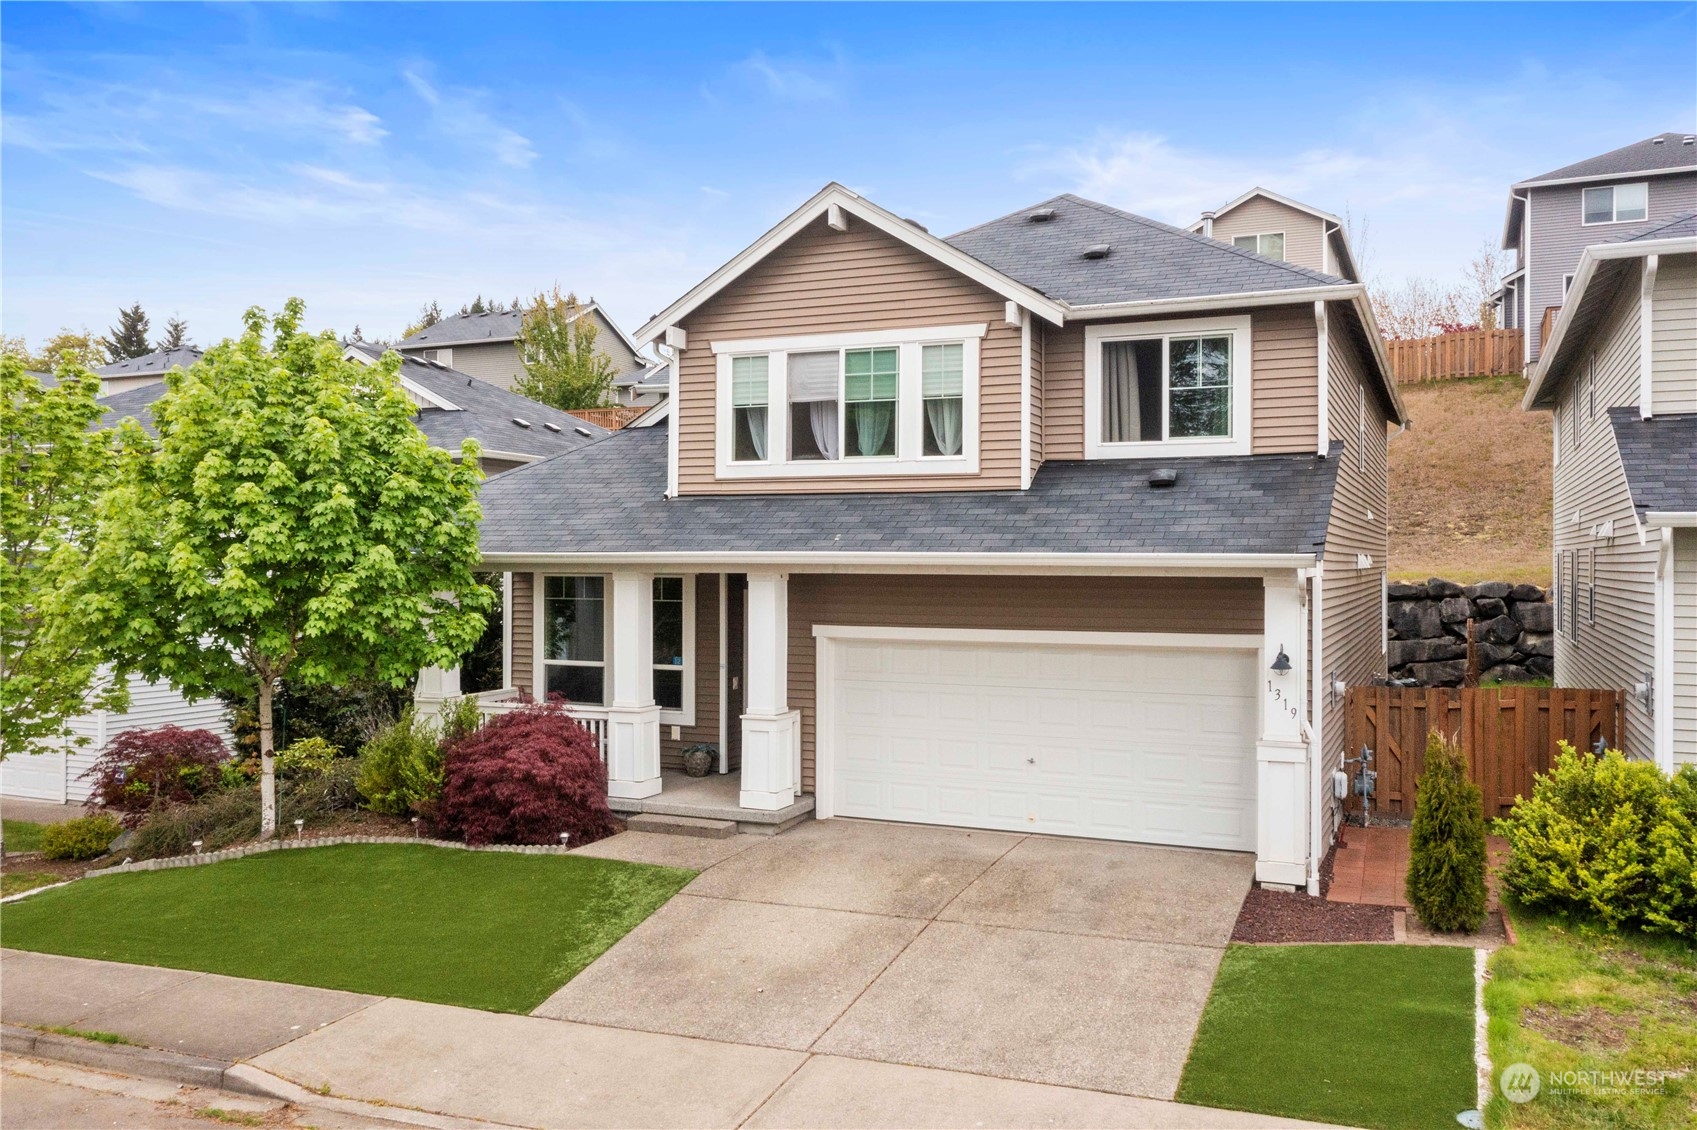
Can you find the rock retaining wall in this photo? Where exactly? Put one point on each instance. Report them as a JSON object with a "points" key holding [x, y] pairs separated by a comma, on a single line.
{"points": [[1514, 626]]}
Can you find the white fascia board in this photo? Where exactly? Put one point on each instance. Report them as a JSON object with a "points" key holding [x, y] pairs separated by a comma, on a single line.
{"points": [[1515, 203], [1204, 564], [1381, 356], [658, 414], [511, 456], [1583, 275], [1277, 199], [420, 347], [1673, 518], [1594, 178], [1149, 306], [892, 225]]}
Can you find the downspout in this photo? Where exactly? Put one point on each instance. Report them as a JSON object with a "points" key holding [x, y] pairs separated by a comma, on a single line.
{"points": [[724, 669], [1316, 734], [1323, 377], [674, 357], [1662, 691], [1646, 339]]}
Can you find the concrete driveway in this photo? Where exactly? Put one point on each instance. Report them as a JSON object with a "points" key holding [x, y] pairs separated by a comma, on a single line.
{"points": [[1073, 962]]}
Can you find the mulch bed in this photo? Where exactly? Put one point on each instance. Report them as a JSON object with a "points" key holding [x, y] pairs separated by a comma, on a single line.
{"points": [[1280, 916]]}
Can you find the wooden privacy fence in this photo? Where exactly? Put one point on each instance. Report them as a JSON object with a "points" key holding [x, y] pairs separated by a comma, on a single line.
{"points": [[1508, 733], [1472, 353]]}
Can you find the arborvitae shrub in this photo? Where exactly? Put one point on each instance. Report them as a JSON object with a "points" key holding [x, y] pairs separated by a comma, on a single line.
{"points": [[1446, 862]]}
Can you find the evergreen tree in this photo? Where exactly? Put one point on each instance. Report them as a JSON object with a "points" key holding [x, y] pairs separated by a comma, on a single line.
{"points": [[176, 334], [129, 337], [1446, 849], [428, 316]]}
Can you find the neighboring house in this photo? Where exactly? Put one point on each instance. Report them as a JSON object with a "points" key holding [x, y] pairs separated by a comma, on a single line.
{"points": [[644, 388], [486, 346], [1619, 375], [148, 369], [59, 775], [1281, 228], [1071, 523], [1553, 217]]}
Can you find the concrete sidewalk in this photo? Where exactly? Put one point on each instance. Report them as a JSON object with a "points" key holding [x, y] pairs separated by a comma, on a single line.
{"points": [[528, 1070]]}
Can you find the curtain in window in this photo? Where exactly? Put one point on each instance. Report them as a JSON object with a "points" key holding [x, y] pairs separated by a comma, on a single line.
{"points": [[872, 426], [822, 419], [748, 406], [942, 383], [944, 418], [1120, 416], [754, 423], [813, 381]]}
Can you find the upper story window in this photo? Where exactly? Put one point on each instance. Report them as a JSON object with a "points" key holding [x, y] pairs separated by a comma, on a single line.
{"points": [[883, 402], [1617, 203], [1270, 244], [1170, 388], [440, 356]]}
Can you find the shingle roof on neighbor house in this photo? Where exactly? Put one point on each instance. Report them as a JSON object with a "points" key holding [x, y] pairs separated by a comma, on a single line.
{"points": [[1664, 153], [160, 361], [481, 412], [608, 498], [467, 329], [1685, 223], [1146, 259], [1659, 456]]}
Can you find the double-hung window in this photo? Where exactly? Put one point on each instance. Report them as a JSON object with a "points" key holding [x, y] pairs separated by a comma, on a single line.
{"points": [[942, 386], [1270, 244], [749, 399], [871, 387], [574, 656], [1617, 203], [669, 666], [1172, 388]]}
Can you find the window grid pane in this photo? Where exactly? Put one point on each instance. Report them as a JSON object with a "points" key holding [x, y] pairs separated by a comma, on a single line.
{"points": [[1199, 388], [943, 370], [748, 381], [573, 613], [871, 374]]}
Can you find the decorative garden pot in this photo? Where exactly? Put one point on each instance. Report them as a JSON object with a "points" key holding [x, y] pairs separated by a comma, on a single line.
{"points": [[700, 759]]}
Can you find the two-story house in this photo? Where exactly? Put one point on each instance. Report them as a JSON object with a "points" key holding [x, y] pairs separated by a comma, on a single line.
{"points": [[1073, 522], [1619, 375], [1278, 227], [1552, 218], [486, 345], [148, 369]]}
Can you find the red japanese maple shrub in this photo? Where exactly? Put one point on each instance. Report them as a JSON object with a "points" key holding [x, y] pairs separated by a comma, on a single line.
{"points": [[523, 778], [140, 770]]}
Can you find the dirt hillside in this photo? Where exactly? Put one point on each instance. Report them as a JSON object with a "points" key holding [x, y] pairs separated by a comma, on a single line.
{"points": [[1470, 485]]}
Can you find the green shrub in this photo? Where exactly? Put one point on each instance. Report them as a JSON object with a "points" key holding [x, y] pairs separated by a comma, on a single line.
{"points": [[1673, 860], [1585, 841], [232, 817], [309, 756], [400, 770], [87, 837], [460, 719], [1446, 848]]}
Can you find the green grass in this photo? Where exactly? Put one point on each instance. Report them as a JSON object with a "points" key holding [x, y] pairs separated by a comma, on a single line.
{"points": [[1571, 997], [490, 930], [21, 835], [85, 1034], [1368, 1035], [15, 882]]}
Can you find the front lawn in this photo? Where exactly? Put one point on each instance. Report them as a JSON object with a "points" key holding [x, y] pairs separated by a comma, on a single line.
{"points": [[1576, 999], [21, 835], [491, 930], [1366, 1035]]}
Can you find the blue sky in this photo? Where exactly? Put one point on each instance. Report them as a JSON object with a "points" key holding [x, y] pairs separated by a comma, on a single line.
{"points": [[371, 157]]}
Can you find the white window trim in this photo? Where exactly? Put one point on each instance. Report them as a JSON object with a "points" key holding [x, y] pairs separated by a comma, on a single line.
{"points": [[1242, 388], [1614, 210], [910, 418], [1259, 235], [539, 640], [443, 357]]}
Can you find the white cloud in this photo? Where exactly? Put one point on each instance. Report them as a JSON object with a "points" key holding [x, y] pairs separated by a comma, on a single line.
{"points": [[794, 80], [459, 115]]}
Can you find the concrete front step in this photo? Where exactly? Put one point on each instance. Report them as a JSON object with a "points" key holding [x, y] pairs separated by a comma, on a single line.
{"points": [[682, 826]]}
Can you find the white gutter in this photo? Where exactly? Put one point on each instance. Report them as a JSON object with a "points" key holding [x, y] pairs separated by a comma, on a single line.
{"points": [[1685, 170], [1104, 310], [710, 561], [1677, 519]]}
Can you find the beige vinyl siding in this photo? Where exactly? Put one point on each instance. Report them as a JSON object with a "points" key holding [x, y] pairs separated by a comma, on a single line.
{"points": [[1284, 365], [1673, 319], [1304, 234], [823, 281], [523, 614], [1352, 614], [495, 362], [1038, 330], [706, 675], [609, 344], [1615, 649], [1685, 647], [1106, 604]]}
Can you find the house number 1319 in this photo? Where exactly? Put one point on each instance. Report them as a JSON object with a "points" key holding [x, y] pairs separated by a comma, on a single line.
{"points": [[1279, 697]]}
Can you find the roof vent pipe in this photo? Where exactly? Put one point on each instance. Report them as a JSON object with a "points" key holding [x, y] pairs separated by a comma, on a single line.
{"points": [[1098, 251], [1208, 224]]}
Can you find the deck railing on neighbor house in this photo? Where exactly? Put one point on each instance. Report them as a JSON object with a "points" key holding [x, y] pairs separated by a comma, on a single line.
{"points": [[1551, 313], [1471, 353], [508, 699]]}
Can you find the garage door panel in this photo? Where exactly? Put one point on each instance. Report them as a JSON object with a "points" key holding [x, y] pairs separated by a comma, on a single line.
{"points": [[1110, 742]]}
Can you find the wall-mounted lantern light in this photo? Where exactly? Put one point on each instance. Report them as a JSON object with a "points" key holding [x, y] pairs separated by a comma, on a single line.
{"points": [[1281, 665]]}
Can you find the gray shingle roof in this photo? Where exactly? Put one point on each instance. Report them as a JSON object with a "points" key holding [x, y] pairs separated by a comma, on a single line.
{"points": [[1659, 456], [463, 328], [1640, 157], [486, 412], [1148, 259], [160, 361], [608, 498], [1685, 223]]}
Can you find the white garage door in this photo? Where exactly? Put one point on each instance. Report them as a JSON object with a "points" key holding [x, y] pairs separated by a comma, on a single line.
{"points": [[37, 776], [1116, 743]]}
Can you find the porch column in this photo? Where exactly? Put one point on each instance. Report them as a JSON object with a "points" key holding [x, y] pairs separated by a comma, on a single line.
{"points": [[1281, 752], [436, 685], [771, 731], [633, 718]]}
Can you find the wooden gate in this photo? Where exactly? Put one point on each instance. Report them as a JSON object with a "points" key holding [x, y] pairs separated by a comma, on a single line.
{"points": [[1508, 733]]}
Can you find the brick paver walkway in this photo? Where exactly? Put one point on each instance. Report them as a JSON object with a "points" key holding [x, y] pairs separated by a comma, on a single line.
{"points": [[1371, 866]]}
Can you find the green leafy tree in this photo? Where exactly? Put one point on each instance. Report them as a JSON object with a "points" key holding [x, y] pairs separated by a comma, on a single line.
{"points": [[1446, 844], [176, 334], [52, 468], [291, 521], [129, 337], [86, 350], [562, 367]]}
